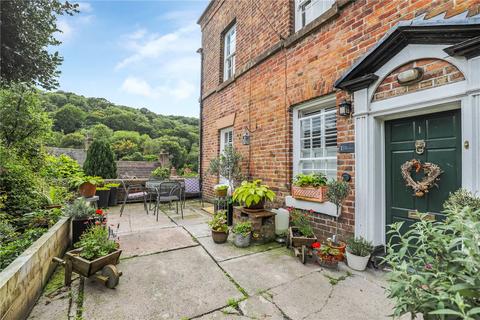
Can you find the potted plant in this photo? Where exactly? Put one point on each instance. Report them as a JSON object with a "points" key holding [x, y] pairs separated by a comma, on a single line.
{"points": [[219, 227], [103, 194], [301, 232], [337, 192], [253, 195], [161, 173], [86, 185], [358, 253], [83, 216], [327, 256], [310, 187], [243, 234], [221, 190], [113, 198]]}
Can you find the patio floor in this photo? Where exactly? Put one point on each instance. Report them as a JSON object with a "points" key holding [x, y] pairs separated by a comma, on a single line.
{"points": [[173, 270]]}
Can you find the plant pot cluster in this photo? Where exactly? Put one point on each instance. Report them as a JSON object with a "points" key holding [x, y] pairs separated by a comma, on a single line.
{"points": [[107, 195]]}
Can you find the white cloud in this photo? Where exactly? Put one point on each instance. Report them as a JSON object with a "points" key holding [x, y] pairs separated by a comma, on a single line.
{"points": [[69, 25], [137, 86], [180, 90], [84, 7], [66, 30]]}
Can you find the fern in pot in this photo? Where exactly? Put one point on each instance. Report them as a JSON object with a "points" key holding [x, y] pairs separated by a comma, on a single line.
{"points": [[358, 253], [243, 234]]}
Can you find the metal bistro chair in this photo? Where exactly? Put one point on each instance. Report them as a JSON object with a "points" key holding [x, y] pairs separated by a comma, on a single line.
{"points": [[168, 192], [130, 196]]}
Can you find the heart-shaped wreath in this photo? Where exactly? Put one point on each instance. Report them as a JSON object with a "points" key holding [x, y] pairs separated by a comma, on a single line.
{"points": [[431, 171]]}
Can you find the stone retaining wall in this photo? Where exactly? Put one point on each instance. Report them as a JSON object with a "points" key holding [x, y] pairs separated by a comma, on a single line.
{"points": [[22, 282]]}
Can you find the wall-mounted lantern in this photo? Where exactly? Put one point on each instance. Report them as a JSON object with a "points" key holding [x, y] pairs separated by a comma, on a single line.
{"points": [[410, 76], [345, 108], [246, 138]]}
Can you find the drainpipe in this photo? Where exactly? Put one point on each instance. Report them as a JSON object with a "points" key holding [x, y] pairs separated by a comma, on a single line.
{"points": [[200, 146]]}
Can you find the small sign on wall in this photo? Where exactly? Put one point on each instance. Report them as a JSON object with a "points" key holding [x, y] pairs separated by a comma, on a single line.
{"points": [[348, 147]]}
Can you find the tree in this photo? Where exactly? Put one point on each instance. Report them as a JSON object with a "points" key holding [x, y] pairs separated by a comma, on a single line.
{"points": [[100, 160], [27, 33], [228, 165], [167, 144], [73, 140], [69, 118], [100, 131], [23, 121]]}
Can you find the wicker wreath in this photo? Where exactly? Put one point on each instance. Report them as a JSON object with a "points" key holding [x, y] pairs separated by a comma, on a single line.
{"points": [[432, 173]]}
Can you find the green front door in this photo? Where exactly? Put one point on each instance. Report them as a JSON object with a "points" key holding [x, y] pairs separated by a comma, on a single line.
{"points": [[441, 134]]}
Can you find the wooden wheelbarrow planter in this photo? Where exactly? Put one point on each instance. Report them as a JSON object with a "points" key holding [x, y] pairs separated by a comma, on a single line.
{"points": [[301, 246], [109, 274]]}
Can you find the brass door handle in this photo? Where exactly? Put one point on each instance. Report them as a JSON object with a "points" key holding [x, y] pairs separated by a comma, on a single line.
{"points": [[413, 214]]}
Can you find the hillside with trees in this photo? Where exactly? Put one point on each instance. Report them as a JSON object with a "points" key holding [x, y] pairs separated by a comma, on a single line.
{"points": [[134, 134]]}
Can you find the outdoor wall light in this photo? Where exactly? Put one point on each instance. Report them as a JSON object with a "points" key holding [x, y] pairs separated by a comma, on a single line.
{"points": [[246, 138], [345, 108], [410, 76]]}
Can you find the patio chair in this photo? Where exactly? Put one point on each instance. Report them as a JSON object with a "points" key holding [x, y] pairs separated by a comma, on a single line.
{"points": [[130, 196], [168, 192]]}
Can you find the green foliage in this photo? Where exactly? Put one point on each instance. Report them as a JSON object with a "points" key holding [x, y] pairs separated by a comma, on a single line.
{"points": [[460, 199], [74, 140], [161, 173], [95, 243], [169, 145], [221, 187], [136, 156], [77, 181], [9, 251], [24, 122], [227, 165], [69, 118], [28, 30], [243, 228], [100, 131], [359, 246], [435, 265], [57, 195], [301, 221], [112, 185], [219, 221], [310, 180], [79, 209], [40, 218], [337, 192], [60, 168], [100, 160], [252, 193]]}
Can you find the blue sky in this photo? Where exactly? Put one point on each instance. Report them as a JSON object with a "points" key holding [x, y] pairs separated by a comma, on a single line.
{"points": [[134, 53]]}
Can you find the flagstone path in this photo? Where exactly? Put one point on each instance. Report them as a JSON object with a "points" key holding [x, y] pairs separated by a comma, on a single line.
{"points": [[173, 270]]}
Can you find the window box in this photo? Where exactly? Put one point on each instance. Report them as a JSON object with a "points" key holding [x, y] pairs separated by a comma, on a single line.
{"points": [[310, 193]]}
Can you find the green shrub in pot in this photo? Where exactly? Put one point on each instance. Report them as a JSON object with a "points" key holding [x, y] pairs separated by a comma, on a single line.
{"points": [[243, 234], [219, 227], [253, 194], [358, 253], [310, 180]]}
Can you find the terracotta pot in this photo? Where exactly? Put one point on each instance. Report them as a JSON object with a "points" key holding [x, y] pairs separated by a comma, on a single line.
{"points": [[219, 236], [340, 246], [87, 189], [310, 193], [222, 193]]}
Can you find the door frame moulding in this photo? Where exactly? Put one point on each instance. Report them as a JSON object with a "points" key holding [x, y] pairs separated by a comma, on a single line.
{"points": [[370, 117]]}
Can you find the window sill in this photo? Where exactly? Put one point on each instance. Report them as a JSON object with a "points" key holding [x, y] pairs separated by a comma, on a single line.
{"points": [[327, 208]]}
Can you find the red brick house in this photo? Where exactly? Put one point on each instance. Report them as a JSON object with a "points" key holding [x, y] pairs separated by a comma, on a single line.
{"points": [[277, 71]]}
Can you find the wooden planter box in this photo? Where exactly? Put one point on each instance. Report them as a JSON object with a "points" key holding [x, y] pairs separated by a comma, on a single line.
{"points": [[310, 193], [300, 241]]}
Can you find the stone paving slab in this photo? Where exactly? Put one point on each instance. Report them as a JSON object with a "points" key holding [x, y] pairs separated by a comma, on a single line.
{"points": [[219, 315], [170, 285], [138, 220], [154, 240], [199, 230], [226, 251], [257, 307], [265, 270]]}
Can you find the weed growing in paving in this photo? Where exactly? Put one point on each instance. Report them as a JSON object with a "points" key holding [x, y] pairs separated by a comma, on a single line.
{"points": [[334, 281]]}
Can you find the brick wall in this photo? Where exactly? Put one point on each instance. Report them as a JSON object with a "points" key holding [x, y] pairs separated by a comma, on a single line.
{"points": [[135, 169], [276, 69], [436, 73]]}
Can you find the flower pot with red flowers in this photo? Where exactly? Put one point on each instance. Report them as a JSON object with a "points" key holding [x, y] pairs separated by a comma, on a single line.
{"points": [[103, 194], [327, 256], [310, 187], [253, 195], [219, 227], [87, 185], [301, 232]]}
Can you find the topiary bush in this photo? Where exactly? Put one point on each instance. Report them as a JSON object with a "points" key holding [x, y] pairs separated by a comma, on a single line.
{"points": [[100, 160]]}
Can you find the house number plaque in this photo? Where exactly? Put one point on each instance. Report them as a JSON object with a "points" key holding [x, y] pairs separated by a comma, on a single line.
{"points": [[348, 147], [413, 214]]}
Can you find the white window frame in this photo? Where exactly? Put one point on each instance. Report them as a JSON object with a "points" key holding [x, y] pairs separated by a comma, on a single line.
{"points": [[224, 141], [308, 10], [318, 104], [229, 50]]}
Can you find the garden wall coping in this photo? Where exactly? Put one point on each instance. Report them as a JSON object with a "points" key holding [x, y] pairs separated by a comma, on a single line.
{"points": [[22, 282]]}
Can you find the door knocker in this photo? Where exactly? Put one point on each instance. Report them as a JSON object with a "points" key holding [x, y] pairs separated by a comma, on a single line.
{"points": [[419, 146]]}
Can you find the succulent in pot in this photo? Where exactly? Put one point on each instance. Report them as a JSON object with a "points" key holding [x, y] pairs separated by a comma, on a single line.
{"points": [[221, 190], [219, 226], [358, 253], [311, 187], [86, 185], [253, 194], [243, 234]]}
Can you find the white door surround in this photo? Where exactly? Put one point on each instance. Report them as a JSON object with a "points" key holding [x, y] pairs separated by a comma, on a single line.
{"points": [[370, 206]]}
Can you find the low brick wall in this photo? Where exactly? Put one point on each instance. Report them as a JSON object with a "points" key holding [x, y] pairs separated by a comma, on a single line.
{"points": [[137, 169], [22, 282]]}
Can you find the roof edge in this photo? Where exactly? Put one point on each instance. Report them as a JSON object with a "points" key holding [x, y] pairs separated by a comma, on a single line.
{"points": [[204, 13]]}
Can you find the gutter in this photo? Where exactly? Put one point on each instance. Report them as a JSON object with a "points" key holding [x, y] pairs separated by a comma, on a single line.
{"points": [[200, 146]]}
